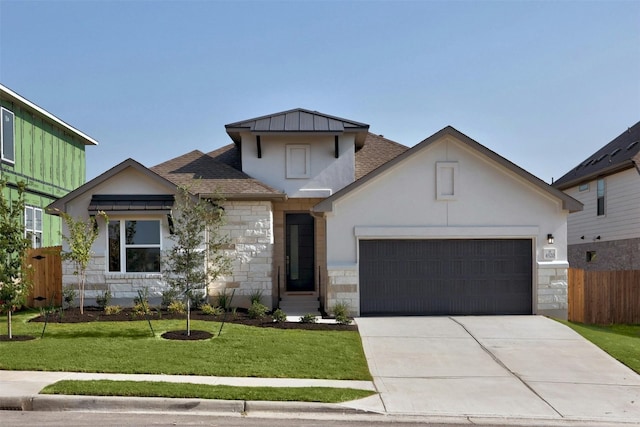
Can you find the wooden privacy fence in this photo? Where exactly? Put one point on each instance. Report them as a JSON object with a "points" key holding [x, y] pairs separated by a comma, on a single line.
{"points": [[47, 276], [604, 297]]}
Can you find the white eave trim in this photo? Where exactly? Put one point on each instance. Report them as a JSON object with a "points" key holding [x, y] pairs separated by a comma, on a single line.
{"points": [[86, 138]]}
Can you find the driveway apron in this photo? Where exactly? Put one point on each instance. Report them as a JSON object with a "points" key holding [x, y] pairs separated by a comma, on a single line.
{"points": [[495, 366]]}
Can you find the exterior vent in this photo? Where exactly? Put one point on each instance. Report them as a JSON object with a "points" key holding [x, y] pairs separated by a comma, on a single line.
{"points": [[630, 146], [614, 152]]}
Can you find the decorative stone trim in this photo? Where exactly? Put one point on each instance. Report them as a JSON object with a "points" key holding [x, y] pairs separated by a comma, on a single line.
{"points": [[343, 287]]}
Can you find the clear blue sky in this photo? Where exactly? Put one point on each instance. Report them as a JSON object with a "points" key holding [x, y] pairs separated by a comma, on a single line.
{"points": [[543, 84]]}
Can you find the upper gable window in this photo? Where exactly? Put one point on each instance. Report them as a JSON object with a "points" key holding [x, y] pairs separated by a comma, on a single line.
{"points": [[7, 136], [584, 187], [298, 161]]}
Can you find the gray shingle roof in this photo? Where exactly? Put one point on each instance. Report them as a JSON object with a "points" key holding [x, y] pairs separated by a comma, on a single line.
{"points": [[297, 120], [377, 151], [621, 153], [203, 174]]}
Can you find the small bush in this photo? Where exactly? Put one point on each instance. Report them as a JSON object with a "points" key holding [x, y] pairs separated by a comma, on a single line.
{"points": [[308, 318], [255, 296], [224, 300], [104, 299], [341, 313], [257, 310], [197, 297], [177, 307], [112, 309], [210, 310], [279, 316], [68, 296], [168, 296]]}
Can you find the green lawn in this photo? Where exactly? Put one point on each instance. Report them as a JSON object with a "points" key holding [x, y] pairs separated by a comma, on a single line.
{"points": [[203, 391], [620, 341], [129, 347]]}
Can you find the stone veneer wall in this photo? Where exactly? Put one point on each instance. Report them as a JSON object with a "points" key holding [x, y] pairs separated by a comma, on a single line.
{"points": [[250, 225], [552, 291], [124, 287], [610, 255], [342, 287]]}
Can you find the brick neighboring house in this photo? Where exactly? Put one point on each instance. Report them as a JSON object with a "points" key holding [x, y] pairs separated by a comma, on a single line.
{"points": [[47, 154], [320, 210], [606, 234]]}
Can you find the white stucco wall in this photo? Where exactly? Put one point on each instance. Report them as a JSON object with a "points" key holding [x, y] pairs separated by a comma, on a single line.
{"points": [[327, 174], [489, 202]]}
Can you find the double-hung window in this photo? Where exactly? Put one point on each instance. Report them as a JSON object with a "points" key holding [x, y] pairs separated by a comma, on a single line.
{"points": [[7, 136], [33, 225], [600, 196], [134, 246]]}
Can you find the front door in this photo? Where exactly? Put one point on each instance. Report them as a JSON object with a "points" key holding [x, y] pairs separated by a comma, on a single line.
{"points": [[300, 252]]}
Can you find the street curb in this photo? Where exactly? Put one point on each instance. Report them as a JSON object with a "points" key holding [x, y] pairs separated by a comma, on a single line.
{"points": [[54, 403], [132, 404]]}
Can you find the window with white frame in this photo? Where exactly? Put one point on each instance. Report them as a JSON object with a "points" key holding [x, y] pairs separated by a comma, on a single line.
{"points": [[134, 246], [33, 225], [7, 135]]}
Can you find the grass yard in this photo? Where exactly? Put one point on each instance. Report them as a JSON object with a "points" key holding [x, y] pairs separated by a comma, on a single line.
{"points": [[621, 341], [129, 347], [203, 391]]}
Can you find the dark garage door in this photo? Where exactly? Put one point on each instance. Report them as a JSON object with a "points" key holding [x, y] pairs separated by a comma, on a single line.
{"points": [[441, 277]]}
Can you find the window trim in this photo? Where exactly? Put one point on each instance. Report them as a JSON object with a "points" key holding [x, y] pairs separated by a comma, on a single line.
{"points": [[123, 246], [13, 136], [290, 172], [446, 180], [34, 229]]}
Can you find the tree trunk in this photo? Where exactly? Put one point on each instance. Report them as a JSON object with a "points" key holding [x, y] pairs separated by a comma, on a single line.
{"points": [[9, 323], [188, 316]]}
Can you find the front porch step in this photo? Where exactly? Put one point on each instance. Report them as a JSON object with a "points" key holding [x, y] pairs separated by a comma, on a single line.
{"points": [[299, 306]]}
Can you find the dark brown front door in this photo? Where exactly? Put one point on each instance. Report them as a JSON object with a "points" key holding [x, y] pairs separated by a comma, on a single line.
{"points": [[300, 252]]}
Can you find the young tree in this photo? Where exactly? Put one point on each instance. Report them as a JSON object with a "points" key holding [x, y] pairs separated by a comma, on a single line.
{"points": [[80, 238], [15, 280], [197, 258]]}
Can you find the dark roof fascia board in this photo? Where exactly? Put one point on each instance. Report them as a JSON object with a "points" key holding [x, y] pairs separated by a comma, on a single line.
{"points": [[619, 167], [568, 202], [25, 103], [60, 204]]}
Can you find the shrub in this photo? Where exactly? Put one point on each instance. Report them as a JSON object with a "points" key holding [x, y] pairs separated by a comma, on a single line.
{"points": [[103, 299], [68, 296], [198, 297], [257, 310], [141, 309], [308, 318], [177, 307], [341, 313], [279, 316], [224, 300], [168, 296], [112, 309], [210, 310], [255, 296]]}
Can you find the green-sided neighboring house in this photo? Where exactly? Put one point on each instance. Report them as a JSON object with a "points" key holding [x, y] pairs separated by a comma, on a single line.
{"points": [[44, 152]]}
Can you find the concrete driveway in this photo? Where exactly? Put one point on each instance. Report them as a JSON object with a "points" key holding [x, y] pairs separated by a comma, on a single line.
{"points": [[495, 366]]}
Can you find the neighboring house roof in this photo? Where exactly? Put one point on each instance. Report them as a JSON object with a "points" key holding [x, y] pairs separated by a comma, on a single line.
{"points": [[568, 203], [621, 153], [204, 174], [298, 120], [60, 204], [12, 96]]}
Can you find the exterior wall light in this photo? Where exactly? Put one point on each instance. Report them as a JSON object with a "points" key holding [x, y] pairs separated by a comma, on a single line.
{"points": [[550, 239]]}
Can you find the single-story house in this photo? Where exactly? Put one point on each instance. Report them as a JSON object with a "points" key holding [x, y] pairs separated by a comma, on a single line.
{"points": [[320, 211]]}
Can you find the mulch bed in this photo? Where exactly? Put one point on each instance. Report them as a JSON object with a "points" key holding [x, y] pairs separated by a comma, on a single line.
{"points": [[95, 314], [16, 338]]}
